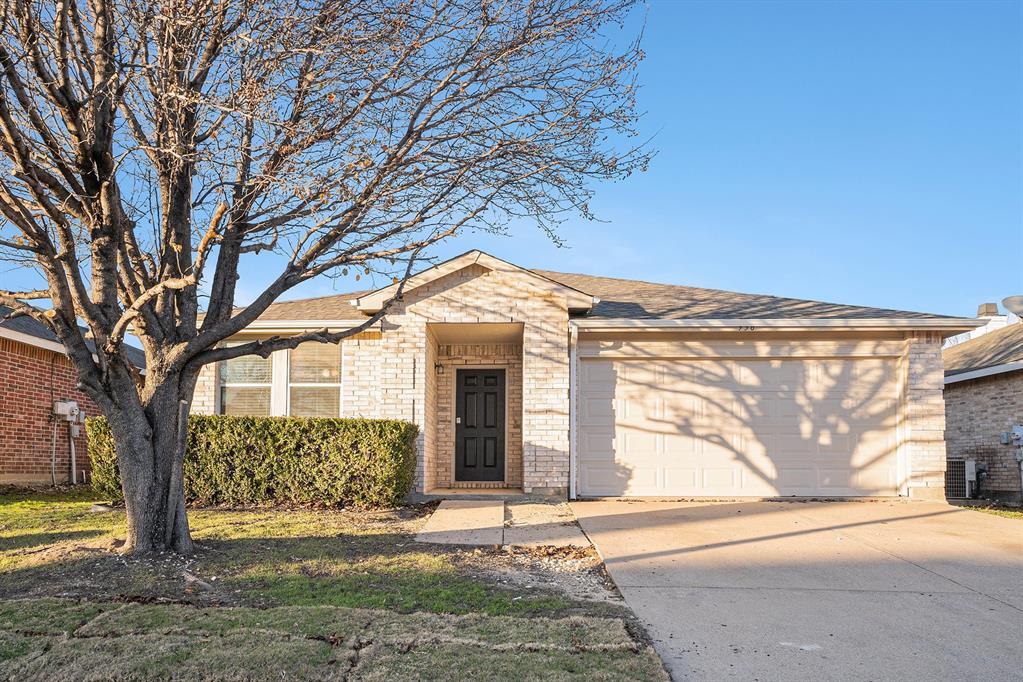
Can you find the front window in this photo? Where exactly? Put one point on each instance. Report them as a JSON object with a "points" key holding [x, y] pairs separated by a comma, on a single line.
{"points": [[314, 380], [245, 385]]}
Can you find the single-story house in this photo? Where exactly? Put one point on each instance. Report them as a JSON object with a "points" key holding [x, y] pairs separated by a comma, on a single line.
{"points": [[35, 444], [983, 400], [580, 385]]}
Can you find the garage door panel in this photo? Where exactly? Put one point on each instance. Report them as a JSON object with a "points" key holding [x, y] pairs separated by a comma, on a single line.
{"points": [[719, 427], [681, 478], [596, 446], [596, 411]]}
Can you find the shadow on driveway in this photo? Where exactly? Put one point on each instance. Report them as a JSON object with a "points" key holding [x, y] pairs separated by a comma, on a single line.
{"points": [[818, 590]]}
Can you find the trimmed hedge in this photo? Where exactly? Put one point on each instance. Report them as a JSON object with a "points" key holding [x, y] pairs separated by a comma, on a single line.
{"points": [[280, 460]]}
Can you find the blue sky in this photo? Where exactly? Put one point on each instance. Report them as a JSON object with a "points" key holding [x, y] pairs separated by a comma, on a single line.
{"points": [[863, 152], [857, 152]]}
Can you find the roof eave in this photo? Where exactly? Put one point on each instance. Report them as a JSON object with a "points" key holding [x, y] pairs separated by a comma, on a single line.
{"points": [[45, 344], [947, 325], [297, 325], [984, 372]]}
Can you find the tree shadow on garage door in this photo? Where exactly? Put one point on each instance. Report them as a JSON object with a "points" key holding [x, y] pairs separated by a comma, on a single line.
{"points": [[794, 422]]}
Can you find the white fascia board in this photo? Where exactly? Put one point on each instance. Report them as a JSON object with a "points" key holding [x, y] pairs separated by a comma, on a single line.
{"points": [[300, 325], [950, 325], [45, 344], [30, 340], [984, 372]]}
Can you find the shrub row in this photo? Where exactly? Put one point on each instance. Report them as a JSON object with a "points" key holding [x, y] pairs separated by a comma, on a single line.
{"points": [[280, 460]]}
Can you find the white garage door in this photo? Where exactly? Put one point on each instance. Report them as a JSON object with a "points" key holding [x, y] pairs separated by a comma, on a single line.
{"points": [[737, 427]]}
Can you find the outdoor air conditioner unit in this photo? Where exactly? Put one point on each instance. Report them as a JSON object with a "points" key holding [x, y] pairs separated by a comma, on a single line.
{"points": [[961, 479]]}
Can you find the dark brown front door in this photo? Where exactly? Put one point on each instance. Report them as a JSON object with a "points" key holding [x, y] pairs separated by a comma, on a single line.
{"points": [[479, 425]]}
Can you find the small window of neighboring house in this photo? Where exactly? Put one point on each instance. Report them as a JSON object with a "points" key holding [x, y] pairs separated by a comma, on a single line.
{"points": [[314, 380], [245, 385]]}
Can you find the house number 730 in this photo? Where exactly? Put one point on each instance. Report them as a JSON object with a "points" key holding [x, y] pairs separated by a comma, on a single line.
{"points": [[747, 329]]}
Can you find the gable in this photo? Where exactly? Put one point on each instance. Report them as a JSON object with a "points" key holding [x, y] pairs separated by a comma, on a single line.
{"points": [[576, 301]]}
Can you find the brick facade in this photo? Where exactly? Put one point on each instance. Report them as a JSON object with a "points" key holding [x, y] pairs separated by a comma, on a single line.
{"points": [[393, 374], [453, 357], [978, 412], [922, 416], [32, 378]]}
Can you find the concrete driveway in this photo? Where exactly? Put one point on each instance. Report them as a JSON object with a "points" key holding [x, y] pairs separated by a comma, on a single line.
{"points": [[819, 590]]}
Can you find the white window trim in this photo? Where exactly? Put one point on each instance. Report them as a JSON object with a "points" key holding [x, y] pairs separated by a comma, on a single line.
{"points": [[305, 384], [280, 384]]}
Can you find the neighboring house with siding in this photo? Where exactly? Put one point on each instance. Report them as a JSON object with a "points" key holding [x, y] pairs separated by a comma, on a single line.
{"points": [[579, 385], [983, 399], [35, 372]]}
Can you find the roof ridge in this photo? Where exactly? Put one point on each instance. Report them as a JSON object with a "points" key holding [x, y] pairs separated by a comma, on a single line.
{"points": [[988, 337]]}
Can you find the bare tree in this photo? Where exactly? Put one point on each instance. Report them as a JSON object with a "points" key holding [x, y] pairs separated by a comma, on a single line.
{"points": [[149, 146]]}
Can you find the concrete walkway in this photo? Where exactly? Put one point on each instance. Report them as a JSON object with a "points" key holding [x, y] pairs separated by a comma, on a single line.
{"points": [[822, 591], [493, 523]]}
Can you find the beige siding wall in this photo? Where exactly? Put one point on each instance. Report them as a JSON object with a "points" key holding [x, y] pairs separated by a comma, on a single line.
{"points": [[978, 412]]}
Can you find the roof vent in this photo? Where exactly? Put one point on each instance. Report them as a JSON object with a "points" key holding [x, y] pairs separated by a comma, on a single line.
{"points": [[987, 310]]}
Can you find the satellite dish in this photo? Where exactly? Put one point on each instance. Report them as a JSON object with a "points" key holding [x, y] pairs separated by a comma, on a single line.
{"points": [[1014, 304]]}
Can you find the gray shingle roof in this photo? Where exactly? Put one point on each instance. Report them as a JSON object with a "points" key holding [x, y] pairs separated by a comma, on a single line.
{"points": [[332, 307], [994, 348], [634, 299], [32, 327]]}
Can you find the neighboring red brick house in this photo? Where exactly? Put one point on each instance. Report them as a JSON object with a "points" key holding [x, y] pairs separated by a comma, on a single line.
{"points": [[34, 372], [983, 400]]}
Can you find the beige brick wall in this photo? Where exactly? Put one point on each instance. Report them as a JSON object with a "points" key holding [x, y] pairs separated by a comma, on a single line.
{"points": [[391, 374], [977, 412], [922, 416], [430, 454], [394, 376], [204, 397], [453, 357]]}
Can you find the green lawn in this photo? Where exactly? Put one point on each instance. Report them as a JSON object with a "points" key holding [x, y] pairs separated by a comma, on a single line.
{"points": [[284, 594]]}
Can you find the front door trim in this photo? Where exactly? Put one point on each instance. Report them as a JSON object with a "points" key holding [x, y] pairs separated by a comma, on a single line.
{"points": [[502, 414]]}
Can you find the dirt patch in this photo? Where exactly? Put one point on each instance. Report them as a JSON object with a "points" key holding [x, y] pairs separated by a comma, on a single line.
{"points": [[578, 573]]}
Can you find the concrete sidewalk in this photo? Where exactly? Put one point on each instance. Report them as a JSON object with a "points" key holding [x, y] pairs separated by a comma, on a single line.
{"points": [[493, 523]]}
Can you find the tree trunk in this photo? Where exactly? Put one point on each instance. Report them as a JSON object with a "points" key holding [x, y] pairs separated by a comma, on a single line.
{"points": [[150, 454]]}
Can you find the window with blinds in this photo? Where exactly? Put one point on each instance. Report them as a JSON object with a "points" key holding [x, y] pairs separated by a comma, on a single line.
{"points": [[314, 380], [245, 386]]}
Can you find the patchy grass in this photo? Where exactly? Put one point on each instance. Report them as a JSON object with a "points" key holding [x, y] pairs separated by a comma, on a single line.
{"points": [[1006, 512], [148, 641], [272, 594], [991, 507]]}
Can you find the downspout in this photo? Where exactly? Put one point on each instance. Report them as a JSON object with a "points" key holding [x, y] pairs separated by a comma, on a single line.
{"points": [[573, 355], [53, 451], [53, 436], [71, 452]]}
